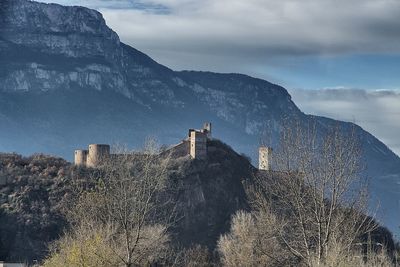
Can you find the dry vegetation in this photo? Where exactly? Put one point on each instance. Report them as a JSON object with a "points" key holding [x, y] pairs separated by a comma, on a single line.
{"points": [[311, 212], [124, 219], [30, 203]]}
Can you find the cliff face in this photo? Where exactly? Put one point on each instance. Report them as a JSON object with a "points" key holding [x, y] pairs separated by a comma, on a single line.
{"points": [[66, 80], [54, 29], [36, 39], [211, 191], [47, 47]]}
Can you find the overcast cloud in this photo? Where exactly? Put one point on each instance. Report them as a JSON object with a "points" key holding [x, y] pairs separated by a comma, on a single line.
{"points": [[191, 33], [377, 111], [255, 31]]}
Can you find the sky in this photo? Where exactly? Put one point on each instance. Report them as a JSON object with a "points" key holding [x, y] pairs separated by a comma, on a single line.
{"points": [[337, 58]]}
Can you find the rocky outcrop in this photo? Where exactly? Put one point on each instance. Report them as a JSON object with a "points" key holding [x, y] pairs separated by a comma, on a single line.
{"points": [[54, 29]]}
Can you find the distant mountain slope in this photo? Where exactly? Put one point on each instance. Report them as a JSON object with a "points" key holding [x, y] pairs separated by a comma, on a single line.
{"points": [[66, 80]]}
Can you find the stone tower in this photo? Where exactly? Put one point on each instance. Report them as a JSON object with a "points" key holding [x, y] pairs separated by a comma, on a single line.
{"points": [[198, 144], [207, 129], [97, 153], [264, 158], [80, 157]]}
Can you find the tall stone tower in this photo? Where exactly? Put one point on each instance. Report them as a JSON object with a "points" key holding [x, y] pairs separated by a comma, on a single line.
{"points": [[264, 158], [207, 129], [198, 144], [80, 157], [97, 154]]}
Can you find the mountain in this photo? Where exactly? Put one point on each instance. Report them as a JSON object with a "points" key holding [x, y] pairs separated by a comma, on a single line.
{"points": [[66, 80]]}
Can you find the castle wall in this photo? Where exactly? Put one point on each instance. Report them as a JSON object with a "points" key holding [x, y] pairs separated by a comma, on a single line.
{"points": [[195, 146], [198, 145], [180, 150], [80, 157], [264, 158], [97, 154]]}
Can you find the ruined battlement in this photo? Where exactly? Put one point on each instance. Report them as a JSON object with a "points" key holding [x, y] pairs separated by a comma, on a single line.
{"points": [[198, 144], [92, 157], [81, 157], [198, 141], [194, 145]]}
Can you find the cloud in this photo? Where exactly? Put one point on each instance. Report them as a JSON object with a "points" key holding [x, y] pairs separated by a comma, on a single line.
{"points": [[227, 34], [256, 31], [377, 111]]}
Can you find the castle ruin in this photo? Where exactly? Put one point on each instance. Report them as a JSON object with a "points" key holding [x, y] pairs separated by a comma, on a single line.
{"points": [[194, 145], [264, 158], [80, 157], [92, 157], [198, 141]]}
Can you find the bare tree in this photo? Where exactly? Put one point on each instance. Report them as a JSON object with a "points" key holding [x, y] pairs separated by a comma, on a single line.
{"points": [[131, 202], [253, 240], [195, 256], [236, 247], [319, 189], [82, 247]]}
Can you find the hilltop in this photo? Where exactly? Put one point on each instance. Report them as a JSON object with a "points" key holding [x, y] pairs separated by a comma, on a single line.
{"points": [[38, 188]]}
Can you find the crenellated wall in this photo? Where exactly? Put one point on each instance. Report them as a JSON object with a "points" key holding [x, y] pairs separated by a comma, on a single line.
{"points": [[194, 145]]}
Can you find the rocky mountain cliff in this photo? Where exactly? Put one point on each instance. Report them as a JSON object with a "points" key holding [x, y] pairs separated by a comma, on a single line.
{"points": [[66, 80]]}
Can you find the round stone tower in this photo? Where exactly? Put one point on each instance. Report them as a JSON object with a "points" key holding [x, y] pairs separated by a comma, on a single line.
{"points": [[80, 157], [97, 153]]}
